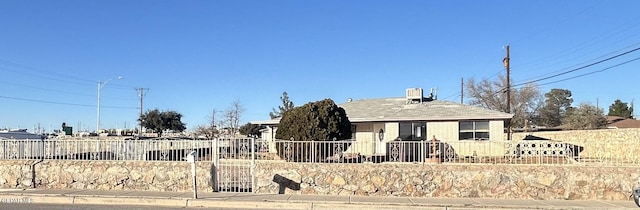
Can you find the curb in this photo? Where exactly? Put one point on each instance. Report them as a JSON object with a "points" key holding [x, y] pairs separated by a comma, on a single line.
{"points": [[247, 204], [21, 197], [130, 201]]}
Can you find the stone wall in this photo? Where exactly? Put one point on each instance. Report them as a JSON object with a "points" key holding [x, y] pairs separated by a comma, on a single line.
{"points": [[630, 135], [417, 180], [385, 179], [107, 175], [618, 144]]}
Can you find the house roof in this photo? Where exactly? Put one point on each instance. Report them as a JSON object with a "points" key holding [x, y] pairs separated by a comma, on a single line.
{"points": [[612, 119], [626, 123], [397, 109]]}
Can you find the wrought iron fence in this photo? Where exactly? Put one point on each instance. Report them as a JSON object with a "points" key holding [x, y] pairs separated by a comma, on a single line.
{"points": [[331, 151], [487, 152], [91, 149]]}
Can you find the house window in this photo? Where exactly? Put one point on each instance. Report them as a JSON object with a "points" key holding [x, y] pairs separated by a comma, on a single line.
{"points": [[413, 130], [474, 130]]}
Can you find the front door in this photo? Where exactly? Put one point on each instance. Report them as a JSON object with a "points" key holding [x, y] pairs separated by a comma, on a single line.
{"points": [[378, 137]]}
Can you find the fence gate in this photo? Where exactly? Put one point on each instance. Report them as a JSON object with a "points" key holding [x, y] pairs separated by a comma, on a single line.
{"points": [[234, 161]]}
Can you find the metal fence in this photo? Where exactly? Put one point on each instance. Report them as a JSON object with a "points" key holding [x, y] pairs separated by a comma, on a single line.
{"points": [[85, 149], [468, 152], [346, 151]]}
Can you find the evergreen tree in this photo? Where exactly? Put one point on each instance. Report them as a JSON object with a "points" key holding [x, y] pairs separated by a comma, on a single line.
{"points": [[620, 109], [315, 121], [286, 106], [252, 130], [161, 121], [557, 102]]}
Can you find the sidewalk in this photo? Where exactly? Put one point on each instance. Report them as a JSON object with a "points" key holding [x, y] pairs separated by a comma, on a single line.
{"points": [[286, 201]]}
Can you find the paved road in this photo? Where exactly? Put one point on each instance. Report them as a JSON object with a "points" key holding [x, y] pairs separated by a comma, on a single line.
{"points": [[43, 206]]}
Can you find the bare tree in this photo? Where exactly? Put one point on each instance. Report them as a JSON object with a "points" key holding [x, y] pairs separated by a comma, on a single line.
{"points": [[586, 116], [493, 95], [209, 131], [232, 116]]}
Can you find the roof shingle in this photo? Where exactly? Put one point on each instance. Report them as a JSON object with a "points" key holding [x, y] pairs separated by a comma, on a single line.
{"points": [[397, 109]]}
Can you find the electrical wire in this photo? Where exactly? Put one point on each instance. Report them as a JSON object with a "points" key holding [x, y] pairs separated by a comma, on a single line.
{"points": [[593, 72], [577, 76], [578, 48], [63, 103], [577, 69], [66, 92], [46, 75]]}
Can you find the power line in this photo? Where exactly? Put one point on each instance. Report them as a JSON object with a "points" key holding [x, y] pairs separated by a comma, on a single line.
{"points": [[59, 91], [579, 68], [63, 103], [47, 75], [598, 39], [43, 71], [599, 57], [577, 76], [593, 72]]}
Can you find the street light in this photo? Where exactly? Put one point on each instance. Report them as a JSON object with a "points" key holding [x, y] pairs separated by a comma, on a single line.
{"points": [[100, 85]]}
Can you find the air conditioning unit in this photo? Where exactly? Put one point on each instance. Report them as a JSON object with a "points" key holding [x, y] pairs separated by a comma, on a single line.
{"points": [[414, 95]]}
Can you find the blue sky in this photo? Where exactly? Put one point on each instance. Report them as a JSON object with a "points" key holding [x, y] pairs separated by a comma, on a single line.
{"points": [[196, 56]]}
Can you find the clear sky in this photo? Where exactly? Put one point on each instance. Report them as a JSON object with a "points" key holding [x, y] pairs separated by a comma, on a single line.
{"points": [[196, 56]]}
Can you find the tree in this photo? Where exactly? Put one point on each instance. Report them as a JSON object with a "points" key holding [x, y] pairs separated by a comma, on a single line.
{"points": [[492, 95], [206, 131], [315, 121], [231, 120], [557, 102], [586, 116], [620, 109], [286, 106], [162, 121], [252, 130], [209, 131]]}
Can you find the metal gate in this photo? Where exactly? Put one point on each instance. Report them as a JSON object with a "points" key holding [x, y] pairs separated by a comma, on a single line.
{"points": [[234, 161]]}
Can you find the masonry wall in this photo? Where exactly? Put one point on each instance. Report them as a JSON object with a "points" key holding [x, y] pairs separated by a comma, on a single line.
{"points": [[106, 175], [602, 143], [416, 180], [631, 135]]}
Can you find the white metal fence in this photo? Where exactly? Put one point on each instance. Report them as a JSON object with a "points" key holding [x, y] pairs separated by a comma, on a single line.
{"points": [[85, 149], [471, 152], [346, 151]]}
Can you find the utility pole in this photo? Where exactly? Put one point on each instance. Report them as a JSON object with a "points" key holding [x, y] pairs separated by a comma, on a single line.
{"points": [[141, 95], [462, 90], [506, 62]]}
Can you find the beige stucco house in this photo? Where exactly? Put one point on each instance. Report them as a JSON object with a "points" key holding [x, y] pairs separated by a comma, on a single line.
{"points": [[415, 118]]}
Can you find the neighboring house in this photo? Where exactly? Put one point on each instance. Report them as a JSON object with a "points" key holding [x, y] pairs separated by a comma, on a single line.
{"points": [[620, 122], [415, 118]]}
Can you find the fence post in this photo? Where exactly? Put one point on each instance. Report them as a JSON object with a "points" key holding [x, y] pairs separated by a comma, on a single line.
{"points": [[253, 165], [434, 154]]}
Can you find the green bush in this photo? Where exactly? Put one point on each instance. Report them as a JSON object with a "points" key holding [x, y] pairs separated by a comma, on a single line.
{"points": [[318, 121]]}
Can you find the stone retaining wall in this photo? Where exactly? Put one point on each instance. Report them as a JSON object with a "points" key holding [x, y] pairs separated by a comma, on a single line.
{"points": [[106, 175], [601, 144], [630, 135], [488, 181], [417, 180]]}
